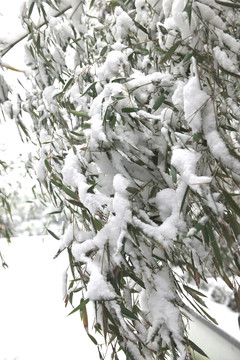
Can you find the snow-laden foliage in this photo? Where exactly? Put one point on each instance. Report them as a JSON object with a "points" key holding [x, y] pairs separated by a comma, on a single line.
{"points": [[136, 109]]}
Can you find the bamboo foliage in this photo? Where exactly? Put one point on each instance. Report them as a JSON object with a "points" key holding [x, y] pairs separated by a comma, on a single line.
{"points": [[135, 105]]}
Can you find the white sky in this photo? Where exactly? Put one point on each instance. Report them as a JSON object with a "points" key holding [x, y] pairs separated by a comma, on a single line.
{"points": [[33, 322]]}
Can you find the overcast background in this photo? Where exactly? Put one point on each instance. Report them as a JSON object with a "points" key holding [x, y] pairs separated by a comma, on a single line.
{"points": [[33, 320]]}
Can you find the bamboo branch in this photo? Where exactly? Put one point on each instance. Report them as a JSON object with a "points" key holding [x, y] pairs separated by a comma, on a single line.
{"points": [[9, 47]]}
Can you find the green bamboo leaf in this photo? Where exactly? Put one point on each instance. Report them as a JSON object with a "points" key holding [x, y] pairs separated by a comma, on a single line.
{"points": [[215, 245], [129, 110], [174, 174], [104, 50], [192, 290], [136, 278], [121, 80], [80, 114], [80, 307], [184, 198], [132, 190], [208, 316], [91, 87], [170, 52], [52, 233], [23, 127], [163, 30], [91, 3], [234, 224], [38, 44], [196, 348], [226, 3], [159, 101], [227, 234], [97, 224], [69, 192], [231, 203], [227, 281], [56, 183], [173, 346], [227, 127], [129, 314], [68, 84], [188, 9], [93, 339], [235, 256], [138, 25], [55, 212], [48, 166], [197, 137], [76, 203], [187, 57], [30, 9]]}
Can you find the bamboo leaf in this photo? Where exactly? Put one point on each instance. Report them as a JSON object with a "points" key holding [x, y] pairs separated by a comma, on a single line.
{"points": [[11, 68], [69, 192], [227, 3], [91, 87], [93, 339], [234, 224], [129, 110], [127, 313], [184, 198], [170, 52], [231, 202], [48, 166], [80, 114], [159, 101], [104, 50], [52, 233], [82, 304], [192, 290], [84, 316], [196, 348], [174, 174], [138, 25], [30, 9], [215, 245], [91, 3], [188, 9], [132, 190], [76, 203], [68, 84], [173, 346]]}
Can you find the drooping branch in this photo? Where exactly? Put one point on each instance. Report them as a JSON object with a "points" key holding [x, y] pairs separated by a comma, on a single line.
{"points": [[10, 46]]}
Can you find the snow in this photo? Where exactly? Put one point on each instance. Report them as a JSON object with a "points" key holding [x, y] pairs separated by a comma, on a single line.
{"points": [[224, 61], [209, 15], [194, 100], [163, 313], [110, 199], [185, 161], [215, 142], [121, 205], [98, 289], [34, 322], [113, 66], [166, 202], [123, 23]]}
